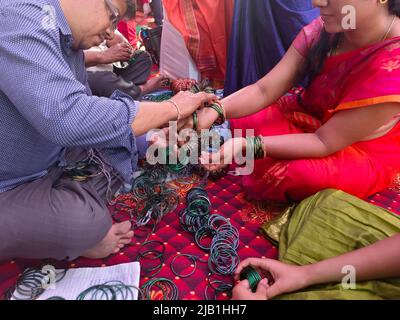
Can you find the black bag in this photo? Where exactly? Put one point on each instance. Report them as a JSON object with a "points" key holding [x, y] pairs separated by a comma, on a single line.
{"points": [[151, 39]]}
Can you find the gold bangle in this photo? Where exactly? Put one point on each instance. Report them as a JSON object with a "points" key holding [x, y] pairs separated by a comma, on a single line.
{"points": [[177, 109]]}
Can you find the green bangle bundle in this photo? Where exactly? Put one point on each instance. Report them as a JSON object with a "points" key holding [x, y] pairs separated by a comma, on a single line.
{"points": [[256, 144], [195, 121], [217, 106], [252, 276]]}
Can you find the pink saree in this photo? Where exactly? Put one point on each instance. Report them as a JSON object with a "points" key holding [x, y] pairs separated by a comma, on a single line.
{"points": [[364, 77]]}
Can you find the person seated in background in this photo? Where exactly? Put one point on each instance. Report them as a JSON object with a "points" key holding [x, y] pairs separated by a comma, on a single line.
{"points": [[342, 131], [156, 8], [132, 76]]}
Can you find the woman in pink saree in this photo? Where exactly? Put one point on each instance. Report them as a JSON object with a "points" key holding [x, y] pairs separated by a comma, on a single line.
{"points": [[342, 131]]}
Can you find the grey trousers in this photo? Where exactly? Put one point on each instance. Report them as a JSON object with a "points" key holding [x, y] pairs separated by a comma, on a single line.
{"points": [[104, 83], [54, 217]]}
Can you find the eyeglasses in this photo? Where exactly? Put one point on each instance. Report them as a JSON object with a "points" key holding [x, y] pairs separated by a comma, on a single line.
{"points": [[114, 16]]}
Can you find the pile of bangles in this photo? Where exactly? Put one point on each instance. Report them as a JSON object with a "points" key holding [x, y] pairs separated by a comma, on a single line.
{"points": [[223, 240], [33, 282]]}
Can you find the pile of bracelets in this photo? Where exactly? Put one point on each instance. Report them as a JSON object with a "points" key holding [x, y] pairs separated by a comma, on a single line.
{"points": [[224, 258], [112, 290], [255, 144], [33, 282], [151, 257], [252, 276], [168, 289], [197, 211], [151, 201], [223, 241]]}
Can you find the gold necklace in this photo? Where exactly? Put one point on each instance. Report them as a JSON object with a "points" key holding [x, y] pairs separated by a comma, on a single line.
{"points": [[333, 50], [390, 28]]}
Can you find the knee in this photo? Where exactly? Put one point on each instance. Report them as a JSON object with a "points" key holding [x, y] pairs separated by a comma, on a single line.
{"points": [[145, 58], [81, 229], [304, 178]]}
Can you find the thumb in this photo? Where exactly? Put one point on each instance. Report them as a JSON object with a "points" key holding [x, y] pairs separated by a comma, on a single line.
{"points": [[273, 291], [262, 288]]}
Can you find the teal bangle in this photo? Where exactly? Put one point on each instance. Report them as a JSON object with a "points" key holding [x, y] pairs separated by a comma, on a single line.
{"points": [[195, 121], [218, 108], [255, 145]]}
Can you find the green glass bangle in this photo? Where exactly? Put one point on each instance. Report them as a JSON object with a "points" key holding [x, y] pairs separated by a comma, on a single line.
{"points": [[259, 150], [195, 121], [221, 118], [255, 145], [252, 276]]}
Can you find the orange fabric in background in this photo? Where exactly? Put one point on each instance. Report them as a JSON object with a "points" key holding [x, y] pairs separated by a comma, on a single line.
{"points": [[205, 26]]}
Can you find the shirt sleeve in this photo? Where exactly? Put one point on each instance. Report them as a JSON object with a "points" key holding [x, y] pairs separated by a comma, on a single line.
{"points": [[308, 36], [38, 80]]}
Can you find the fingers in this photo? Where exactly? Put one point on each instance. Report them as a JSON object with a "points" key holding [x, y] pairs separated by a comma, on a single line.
{"points": [[262, 288], [211, 159], [255, 263], [245, 284], [206, 98]]}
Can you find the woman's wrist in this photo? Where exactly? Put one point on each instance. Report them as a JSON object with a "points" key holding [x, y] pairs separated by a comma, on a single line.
{"points": [[255, 145], [317, 273]]}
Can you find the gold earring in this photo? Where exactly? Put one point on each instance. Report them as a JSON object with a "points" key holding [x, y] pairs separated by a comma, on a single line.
{"points": [[383, 1]]}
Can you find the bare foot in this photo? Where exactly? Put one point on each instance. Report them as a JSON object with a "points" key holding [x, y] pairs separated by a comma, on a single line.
{"points": [[154, 84], [118, 236]]}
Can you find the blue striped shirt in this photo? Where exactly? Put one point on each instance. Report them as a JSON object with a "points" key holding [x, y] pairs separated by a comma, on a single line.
{"points": [[45, 103]]}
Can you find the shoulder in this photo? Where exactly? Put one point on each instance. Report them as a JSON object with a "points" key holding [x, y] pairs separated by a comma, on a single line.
{"points": [[308, 36], [28, 16]]}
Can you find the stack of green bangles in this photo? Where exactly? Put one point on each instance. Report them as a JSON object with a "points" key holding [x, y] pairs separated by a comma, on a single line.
{"points": [[256, 144], [252, 276], [217, 106]]}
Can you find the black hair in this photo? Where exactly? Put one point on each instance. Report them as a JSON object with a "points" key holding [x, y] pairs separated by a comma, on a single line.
{"points": [[131, 9], [319, 52]]}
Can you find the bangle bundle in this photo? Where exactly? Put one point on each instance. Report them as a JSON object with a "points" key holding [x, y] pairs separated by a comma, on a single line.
{"points": [[196, 214], [256, 146], [195, 121], [217, 106], [32, 283], [252, 276], [168, 289], [112, 290], [149, 201]]}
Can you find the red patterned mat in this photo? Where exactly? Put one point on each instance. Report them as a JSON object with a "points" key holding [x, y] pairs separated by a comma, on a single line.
{"points": [[227, 199]]}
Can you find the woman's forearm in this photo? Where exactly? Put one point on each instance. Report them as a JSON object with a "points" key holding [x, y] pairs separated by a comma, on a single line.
{"points": [[246, 101], [295, 146], [377, 261]]}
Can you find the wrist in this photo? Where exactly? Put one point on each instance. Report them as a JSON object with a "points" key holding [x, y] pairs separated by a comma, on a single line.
{"points": [[312, 275], [103, 58], [175, 111], [255, 146]]}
